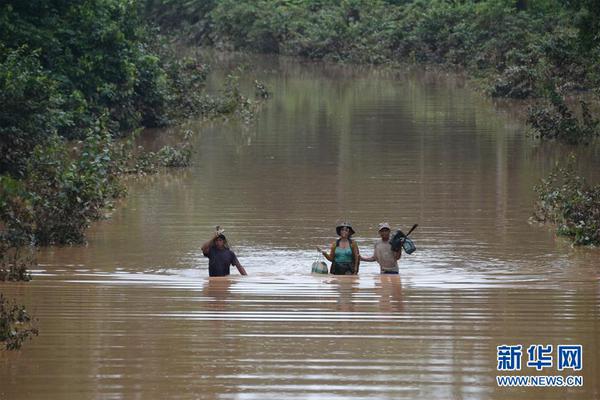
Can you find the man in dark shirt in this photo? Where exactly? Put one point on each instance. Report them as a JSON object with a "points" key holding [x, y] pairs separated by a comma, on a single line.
{"points": [[220, 258]]}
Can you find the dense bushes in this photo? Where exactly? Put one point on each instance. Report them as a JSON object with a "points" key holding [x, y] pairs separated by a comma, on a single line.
{"points": [[553, 119], [74, 78], [568, 201], [516, 49], [92, 53], [64, 64], [15, 324], [64, 189]]}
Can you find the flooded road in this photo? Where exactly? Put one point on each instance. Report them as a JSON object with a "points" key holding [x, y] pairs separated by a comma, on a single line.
{"points": [[134, 315]]}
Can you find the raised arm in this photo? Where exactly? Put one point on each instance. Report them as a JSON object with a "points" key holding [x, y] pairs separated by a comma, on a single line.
{"points": [[206, 246]]}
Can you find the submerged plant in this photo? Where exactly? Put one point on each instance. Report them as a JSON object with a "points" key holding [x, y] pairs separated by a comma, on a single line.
{"points": [[16, 324], [15, 261], [567, 200], [555, 120]]}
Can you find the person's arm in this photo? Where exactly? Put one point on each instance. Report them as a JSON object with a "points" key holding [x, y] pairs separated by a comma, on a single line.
{"points": [[239, 267], [206, 246], [331, 255], [398, 254], [356, 257], [372, 258]]}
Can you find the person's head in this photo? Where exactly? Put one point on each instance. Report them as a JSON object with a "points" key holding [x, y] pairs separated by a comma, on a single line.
{"points": [[344, 230], [220, 241], [384, 231]]}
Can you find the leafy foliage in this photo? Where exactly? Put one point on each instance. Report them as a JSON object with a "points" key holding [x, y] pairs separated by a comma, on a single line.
{"points": [[66, 188], [555, 120], [75, 77], [15, 261], [15, 324], [567, 200]]}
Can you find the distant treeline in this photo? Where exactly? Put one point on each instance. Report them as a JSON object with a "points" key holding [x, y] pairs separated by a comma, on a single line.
{"points": [[515, 49]]}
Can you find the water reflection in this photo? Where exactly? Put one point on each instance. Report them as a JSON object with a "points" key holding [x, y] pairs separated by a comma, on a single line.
{"points": [[346, 286], [216, 289], [389, 288]]}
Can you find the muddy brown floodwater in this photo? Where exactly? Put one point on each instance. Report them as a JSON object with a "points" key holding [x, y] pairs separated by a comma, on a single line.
{"points": [[133, 315]]}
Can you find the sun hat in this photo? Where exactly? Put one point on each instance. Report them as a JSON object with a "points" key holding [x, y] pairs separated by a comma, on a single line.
{"points": [[383, 225], [346, 224]]}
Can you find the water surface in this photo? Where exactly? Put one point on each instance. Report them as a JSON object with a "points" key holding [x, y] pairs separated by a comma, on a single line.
{"points": [[134, 315]]}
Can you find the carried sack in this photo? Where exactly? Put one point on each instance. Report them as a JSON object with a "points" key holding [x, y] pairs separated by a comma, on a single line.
{"points": [[408, 246], [402, 241], [319, 266]]}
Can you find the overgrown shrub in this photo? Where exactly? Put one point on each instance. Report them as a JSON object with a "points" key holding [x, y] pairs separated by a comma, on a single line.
{"points": [[66, 188], [31, 107], [93, 54], [554, 119], [15, 324], [15, 261], [567, 200]]}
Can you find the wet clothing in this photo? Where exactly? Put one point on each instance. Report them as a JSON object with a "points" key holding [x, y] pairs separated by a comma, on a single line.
{"points": [[343, 255], [220, 261], [346, 257], [385, 256], [341, 268]]}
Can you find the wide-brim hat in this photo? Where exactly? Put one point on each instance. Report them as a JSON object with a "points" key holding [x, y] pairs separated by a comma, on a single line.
{"points": [[342, 225]]}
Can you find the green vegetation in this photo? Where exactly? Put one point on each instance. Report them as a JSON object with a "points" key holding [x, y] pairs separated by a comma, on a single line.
{"points": [[553, 119], [15, 324], [567, 200], [515, 49], [76, 78], [14, 262]]}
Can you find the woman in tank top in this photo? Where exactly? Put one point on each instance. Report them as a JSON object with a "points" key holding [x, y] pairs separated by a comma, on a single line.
{"points": [[343, 254]]}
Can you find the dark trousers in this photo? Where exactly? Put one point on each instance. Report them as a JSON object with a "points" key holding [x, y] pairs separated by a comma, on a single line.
{"points": [[341, 268]]}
